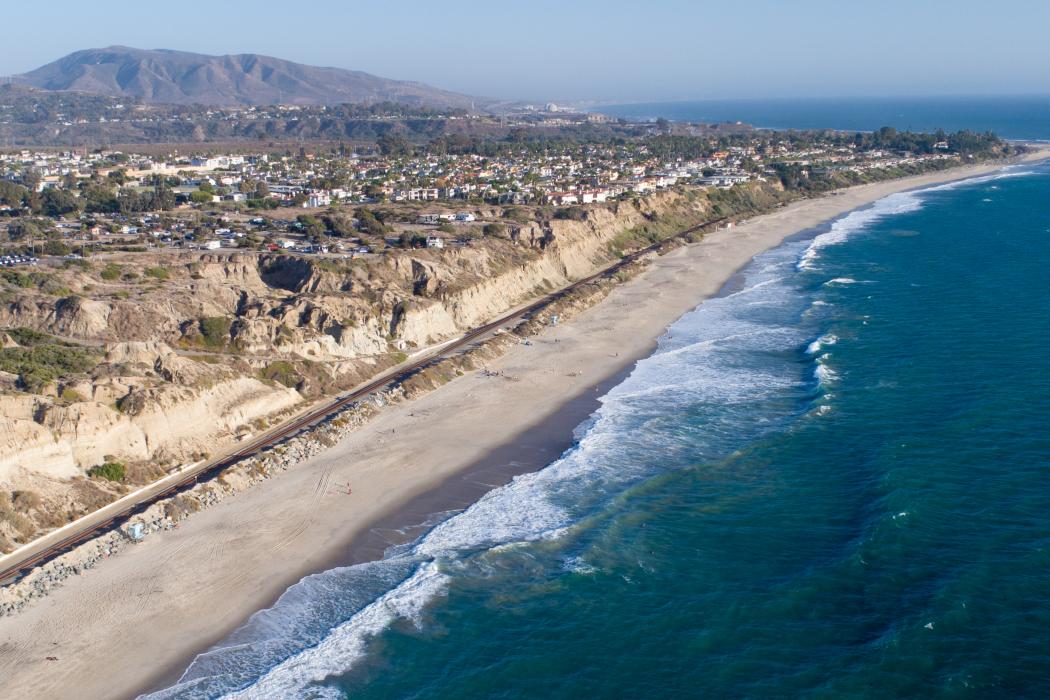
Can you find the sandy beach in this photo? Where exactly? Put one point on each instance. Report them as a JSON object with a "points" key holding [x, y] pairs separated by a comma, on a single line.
{"points": [[136, 621]]}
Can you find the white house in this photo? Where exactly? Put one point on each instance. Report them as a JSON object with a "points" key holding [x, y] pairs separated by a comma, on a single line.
{"points": [[211, 245], [465, 217], [589, 196], [435, 242], [562, 198]]}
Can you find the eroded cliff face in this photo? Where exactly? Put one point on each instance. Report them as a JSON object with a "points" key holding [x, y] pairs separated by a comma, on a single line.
{"points": [[325, 309], [161, 407], [221, 345]]}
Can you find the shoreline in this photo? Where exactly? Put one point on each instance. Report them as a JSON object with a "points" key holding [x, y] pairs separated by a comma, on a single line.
{"points": [[145, 606]]}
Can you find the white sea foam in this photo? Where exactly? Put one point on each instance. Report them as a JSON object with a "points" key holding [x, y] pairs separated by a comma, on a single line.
{"points": [[824, 375], [347, 641], [578, 566], [821, 342], [898, 203], [843, 228], [1009, 171]]}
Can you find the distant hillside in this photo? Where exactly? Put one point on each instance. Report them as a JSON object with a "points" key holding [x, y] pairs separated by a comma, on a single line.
{"points": [[175, 77]]}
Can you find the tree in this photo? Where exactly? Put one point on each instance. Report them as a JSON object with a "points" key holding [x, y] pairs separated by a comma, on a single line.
{"points": [[100, 198], [338, 225], [310, 225], [12, 195], [58, 202], [262, 190], [28, 228], [393, 145], [31, 179], [55, 247], [374, 192], [370, 223], [885, 137], [411, 240]]}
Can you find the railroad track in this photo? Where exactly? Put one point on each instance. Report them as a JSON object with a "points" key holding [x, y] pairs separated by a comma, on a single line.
{"points": [[208, 471]]}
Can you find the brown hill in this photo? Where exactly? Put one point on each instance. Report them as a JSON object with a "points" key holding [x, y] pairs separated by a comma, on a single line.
{"points": [[176, 77]]}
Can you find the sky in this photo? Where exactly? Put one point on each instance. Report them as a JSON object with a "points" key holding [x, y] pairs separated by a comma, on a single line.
{"points": [[612, 51]]}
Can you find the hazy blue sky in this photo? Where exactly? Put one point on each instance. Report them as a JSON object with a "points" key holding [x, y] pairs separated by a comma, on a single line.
{"points": [[584, 49]]}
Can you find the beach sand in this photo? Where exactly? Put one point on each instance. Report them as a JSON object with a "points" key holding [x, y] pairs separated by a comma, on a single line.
{"points": [[135, 622]]}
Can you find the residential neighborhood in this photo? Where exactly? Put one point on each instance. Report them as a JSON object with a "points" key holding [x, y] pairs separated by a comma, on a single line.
{"points": [[271, 200]]}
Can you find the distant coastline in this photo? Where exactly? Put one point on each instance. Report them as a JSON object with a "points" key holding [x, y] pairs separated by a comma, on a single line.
{"points": [[1026, 118]]}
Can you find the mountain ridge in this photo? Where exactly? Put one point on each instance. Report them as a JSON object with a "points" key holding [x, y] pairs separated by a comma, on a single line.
{"points": [[166, 76]]}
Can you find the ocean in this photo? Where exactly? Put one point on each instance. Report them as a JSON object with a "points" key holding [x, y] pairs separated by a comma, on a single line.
{"points": [[831, 481], [1023, 118]]}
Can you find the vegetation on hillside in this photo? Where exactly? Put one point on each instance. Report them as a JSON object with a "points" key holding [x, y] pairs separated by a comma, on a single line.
{"points": [[40, 359]]}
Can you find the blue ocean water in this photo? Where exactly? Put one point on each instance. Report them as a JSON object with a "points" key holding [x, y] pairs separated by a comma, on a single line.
{"points": [[1010, 117], [831, 481]]}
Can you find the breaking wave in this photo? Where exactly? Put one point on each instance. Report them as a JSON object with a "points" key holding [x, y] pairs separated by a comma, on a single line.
{"points": [[821, 342], [842, 229], [899, 203]]}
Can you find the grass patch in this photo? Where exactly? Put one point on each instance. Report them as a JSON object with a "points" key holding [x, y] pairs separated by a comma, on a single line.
{"points": [[157, 273], [111, 272], [70, 396], [42, 359], [41, 280], [110, 471], [28, 337], [215, 331], [77, 262], [18, 521], [282, 373]]}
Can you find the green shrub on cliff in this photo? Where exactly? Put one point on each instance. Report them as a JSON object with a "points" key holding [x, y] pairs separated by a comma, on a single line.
{"points": [[215, 330], [571, 213], [282, 373], [110, 471], [42, 359], [110, 272]]}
